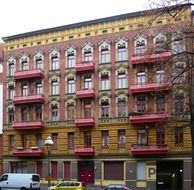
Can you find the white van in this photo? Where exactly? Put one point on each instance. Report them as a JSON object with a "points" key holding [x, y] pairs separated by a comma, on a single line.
{"points": [[20, 181]]}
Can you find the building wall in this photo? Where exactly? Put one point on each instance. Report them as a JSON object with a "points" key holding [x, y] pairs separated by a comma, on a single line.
{"points": [[126, 29]]}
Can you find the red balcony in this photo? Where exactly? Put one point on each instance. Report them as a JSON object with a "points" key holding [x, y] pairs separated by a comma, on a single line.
{"points": [[85, 67], [148, 118], [149, 149], [81, 94], [26, 152], [84, 151], [28, 125], [152, 58], [19, 100], [29, 74], [151, 87], [85, 122]]}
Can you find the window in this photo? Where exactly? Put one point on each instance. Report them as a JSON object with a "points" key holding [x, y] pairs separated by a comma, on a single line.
{"points": [[54, 170], [114, 170], [39, 63], [141, 104], [70, 137], [11, 142], [25, 140], [87, 109], [54, 88], [39, 168], [105, 139], [104, 55], [54, 113], [24, 113], [18, 167], [39, 113], [10, 116], [24, 89], [87, 139], [160, 103], [55, 141], [24, 65], [179, 74], [11, 69], [178, 135], [39, 87], [141, 77], [160, 44], [70, 86], [70, 112], [39, 140], [88, 55], [121, 138], [67, 170], [160, 76], [105, 109], [88, 81], [122, 108], [140, 47], [141, 137], [54, 63], [160, 135], [122, 80], [178, 44], [71, 60], [179, 103], [121, 52], [11, 92], [141, 170], [105, 82]]}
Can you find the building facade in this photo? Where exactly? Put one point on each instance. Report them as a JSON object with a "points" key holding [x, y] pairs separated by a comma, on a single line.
{"points": [[101, 90]]}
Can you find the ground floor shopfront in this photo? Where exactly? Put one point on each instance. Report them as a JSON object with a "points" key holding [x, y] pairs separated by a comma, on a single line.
{"points": [[141, 173]]}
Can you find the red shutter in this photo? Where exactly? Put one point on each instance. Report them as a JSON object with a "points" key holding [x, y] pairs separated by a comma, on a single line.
{"points": [[67, 170], [54, 170], [39, 168]]}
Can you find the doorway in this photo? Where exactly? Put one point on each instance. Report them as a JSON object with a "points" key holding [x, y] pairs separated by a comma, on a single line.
{"points": [[86, 172]]}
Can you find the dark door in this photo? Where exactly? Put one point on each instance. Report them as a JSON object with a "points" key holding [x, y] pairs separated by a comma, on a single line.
{"points": [[86, 172]]}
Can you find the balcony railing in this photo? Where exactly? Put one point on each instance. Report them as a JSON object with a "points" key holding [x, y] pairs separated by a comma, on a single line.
{"points": [[26, 152], [151, 58], [28, 74], [38, 98], [28, 125], [148, 118], [118, 120], [150, 87], [84, 151], [85, 67], [85, 122], [149, 149], [86, 93]]}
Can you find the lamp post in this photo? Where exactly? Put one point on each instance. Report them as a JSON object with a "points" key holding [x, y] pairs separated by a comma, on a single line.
{"points": [[49, 142]]}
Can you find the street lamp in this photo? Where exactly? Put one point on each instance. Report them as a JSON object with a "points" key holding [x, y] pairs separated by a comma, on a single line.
{"points": [[49, 142]]}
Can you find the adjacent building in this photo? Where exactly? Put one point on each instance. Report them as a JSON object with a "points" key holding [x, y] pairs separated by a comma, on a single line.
{"points": [[102, 90]]}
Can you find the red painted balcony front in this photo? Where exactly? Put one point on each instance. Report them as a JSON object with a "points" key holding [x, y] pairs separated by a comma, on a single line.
{"points": [[149, 149], [151, 87], [84, 151], [85, 67], [29, 74], [85, 93], [28, 125], [156, 57], [26, 152], [148, 118], [85, 122], [19, 100]]}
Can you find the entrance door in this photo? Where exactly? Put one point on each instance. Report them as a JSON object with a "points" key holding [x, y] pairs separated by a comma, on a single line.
{"points": [[86, 172]]}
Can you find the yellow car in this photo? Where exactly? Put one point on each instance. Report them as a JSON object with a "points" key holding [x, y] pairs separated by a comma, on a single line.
{"points": [[69, 185]]}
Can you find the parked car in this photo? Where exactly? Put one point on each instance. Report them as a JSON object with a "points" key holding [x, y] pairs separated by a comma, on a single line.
{"points": [[116, 187], [69, 185]]}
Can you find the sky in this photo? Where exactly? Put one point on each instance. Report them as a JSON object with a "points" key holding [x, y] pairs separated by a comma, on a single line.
{"points": [[20, 16]]}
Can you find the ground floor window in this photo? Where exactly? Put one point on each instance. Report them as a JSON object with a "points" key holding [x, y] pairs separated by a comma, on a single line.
{"points": [[18, 167], [111, 167], [67, 170]]}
